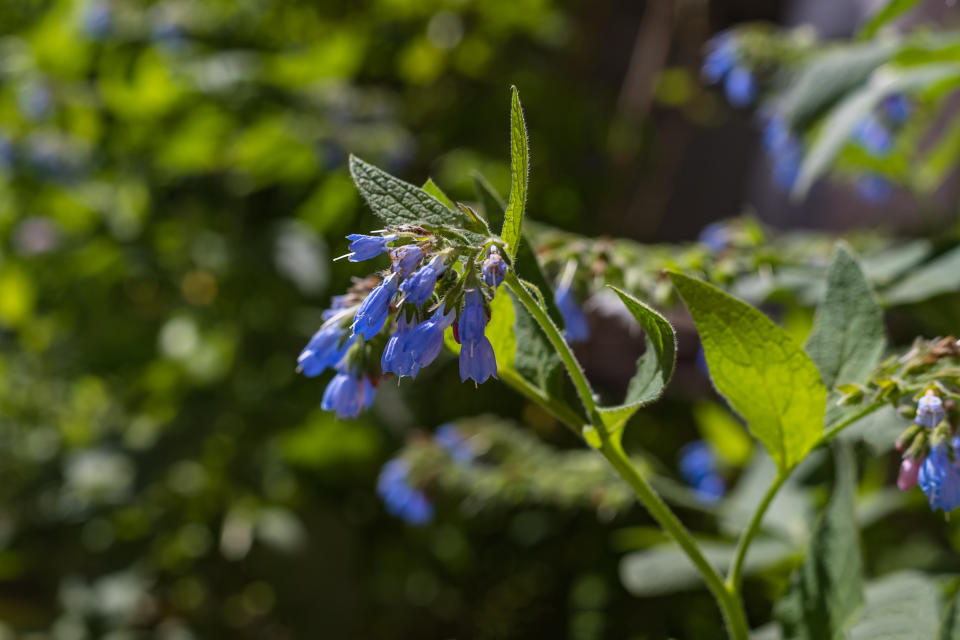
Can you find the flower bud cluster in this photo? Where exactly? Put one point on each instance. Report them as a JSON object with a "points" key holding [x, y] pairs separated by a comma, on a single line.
{"points": [[433, 283], [931, 454]]}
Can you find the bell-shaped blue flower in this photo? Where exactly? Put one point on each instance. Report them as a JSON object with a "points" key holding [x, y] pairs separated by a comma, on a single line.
{"points": [[419, 286], [477, 360], [494, 268], [395, 358], [740, 87], [400, 497], [406, 258], [939, 478], [364, 247], [575, 324], [325, 349], [374, 309], [347, 394], [930, 410], [425, 341]]}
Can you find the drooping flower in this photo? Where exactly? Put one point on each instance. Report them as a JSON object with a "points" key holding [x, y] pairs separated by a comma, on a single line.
{"points": [[325, 349], [576, 328], [477, 360], [425, 341], [909, 470], [373, 311], [740, 87], [347, 394], [363, 247], [395, 358], [400, 497], [451, 439], [939, 477], [406, 258], [494, 268], [930, 410], [419, 286]]}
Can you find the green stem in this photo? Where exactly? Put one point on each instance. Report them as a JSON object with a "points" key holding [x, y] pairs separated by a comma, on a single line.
{"points": [[557, 409], [832, 431], [612, 450], [740, 555]]}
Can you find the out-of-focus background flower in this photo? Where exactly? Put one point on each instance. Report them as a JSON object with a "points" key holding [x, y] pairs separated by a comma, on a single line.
{"points": [[173, 186]]}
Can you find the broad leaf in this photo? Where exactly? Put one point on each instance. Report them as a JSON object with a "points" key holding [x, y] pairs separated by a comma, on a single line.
{"points": [[934, 278], [826, 592], [902, 606], [890, 11], [847, 338], [398, 202], [512, 232], [655, 366], [765, 376]]}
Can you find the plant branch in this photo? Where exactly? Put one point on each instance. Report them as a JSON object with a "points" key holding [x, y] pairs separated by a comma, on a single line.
{"points": [[735, 577]]}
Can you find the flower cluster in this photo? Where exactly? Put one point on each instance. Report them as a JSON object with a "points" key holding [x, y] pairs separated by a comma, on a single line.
{"points": [[931, 455], [723, 64], [698, 468], [433, 283]]}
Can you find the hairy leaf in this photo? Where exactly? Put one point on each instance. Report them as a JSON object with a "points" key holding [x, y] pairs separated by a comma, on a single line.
{"points": [[847, 338], [764, 375], [512, 232], [655, 366], [398, 202], [826, 592]]}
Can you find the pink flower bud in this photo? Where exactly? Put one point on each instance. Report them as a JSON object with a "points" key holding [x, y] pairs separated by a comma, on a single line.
{"points": [[909, 468]]}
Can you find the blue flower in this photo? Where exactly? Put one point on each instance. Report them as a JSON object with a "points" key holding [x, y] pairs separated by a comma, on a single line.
{"points": [[419, 286], [720, 60], [425, 342], [396, 359], [575, 324], [347, 394], [698, 468], [939, 478], [400, 498], [450, 438], [325, 349], [786, 163], [874, 188], [740, 87], [96, 19], [477, 360], [374, 309], [776, 134], [930, 411], [873, 135], [897, 108], [365, 247], [494, 268], [406, 258]]}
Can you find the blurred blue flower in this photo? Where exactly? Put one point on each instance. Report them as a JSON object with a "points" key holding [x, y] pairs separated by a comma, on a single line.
{"points": [[477, 360], [576, 327], [897, 108], [716, 236], [721, 58], [698, 468], [400, 497], [450, 438], [425, 342], [95, 20], [930, 410], [873, 135], [740, 87], [939, 478], [419, 286], [347, 394], [363, 247], [35, 101], [494, 268], [874, 188], [374, 309]]}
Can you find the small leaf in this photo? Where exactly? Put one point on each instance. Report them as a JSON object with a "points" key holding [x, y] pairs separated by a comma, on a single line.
{"points": [[847, 338], [398, 202], [655, 366], [764, 375], [932, 279], [512, 231], [901, 606], [826, 592], [431, 187], [886, 14]]}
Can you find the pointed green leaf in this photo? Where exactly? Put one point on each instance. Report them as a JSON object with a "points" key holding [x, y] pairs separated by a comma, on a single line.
{"points": [[886, 14], [512, 231], [826, 592], [764, 375], [655, 366], [431, 187], [847, 338], [398, 202]]}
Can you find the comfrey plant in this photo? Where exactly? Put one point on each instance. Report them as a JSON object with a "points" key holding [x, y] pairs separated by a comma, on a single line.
{"points": [[467, 279]]}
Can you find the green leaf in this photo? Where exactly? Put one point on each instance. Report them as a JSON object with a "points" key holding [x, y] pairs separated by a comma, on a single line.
{"points": [[934, 278], [886, 266], [491, 204], [950, 629], [398, 202], [841, 121], [764, 375], [941, 160], [887, 13], [655, 366], [826, 592], [431, 187], [536, 360], [847, 338], [901, 606], [512, 231]]}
